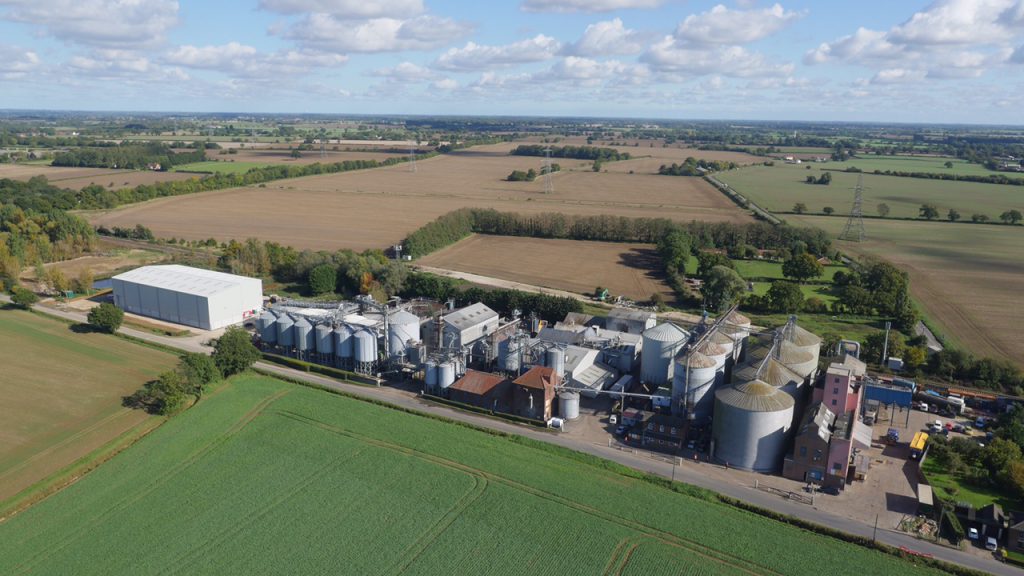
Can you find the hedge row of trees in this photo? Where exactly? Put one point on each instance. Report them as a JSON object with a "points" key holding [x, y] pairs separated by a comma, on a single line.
{"points": [[505, 302], [984, 179], [693, 167], [129, 156], [595, 153]]}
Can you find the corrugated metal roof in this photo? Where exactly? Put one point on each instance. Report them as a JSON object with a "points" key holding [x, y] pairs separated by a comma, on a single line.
{"points": [[476, 382], [755, 396], [470, 316], [403, 317], [629, 314], [737, 319], [802, 337], [790, 353], [184, 279], [696, 360], [721, 339], [666, 332], [779, 375], [709, 348], [596, 377]]}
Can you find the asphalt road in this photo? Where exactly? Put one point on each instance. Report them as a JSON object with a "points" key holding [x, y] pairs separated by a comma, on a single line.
{"points": [[688, 472]]}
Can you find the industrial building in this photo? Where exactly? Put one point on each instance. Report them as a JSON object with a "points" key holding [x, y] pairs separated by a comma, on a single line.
{"points": [[190, 296], [483, 390], [468, 326], [533, 393]]}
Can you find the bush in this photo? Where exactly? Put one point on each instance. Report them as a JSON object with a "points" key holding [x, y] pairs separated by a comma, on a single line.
{"points": [[199, 370], [106, 317], [23, 297]]}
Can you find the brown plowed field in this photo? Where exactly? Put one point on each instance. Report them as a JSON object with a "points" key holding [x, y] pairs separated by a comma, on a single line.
{"points": [[577, 266], [267, 155], [376, 208], [78, 178]]}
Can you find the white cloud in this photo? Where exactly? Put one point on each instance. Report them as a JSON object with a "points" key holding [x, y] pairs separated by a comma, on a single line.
{"points": [[897, 76], [607, 39], [670, 55], [479, 57], [326, 32], [862, 45], [240, 60], [721, 25], [445, 85], [1018, 55], [586, 5], [956, 22], [347, 8], [406, 72], [106, 23], [16, 62]]}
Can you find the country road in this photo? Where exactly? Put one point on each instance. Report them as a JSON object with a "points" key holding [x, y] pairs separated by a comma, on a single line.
{"points": [[686, 471]]}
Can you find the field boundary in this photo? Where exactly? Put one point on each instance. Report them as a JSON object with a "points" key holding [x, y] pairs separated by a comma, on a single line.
{"points": [[742, 201]]}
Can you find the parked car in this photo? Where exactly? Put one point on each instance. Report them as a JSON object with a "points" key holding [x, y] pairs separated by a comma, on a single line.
{"points": [[959, 428], [991, 544], [980, 422], [831, 490], [921, 406], [972, 533], [621, 430]]}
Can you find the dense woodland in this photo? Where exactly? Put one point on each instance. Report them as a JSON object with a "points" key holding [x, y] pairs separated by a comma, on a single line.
{"points": [[577, 152], [693, 167], [130, 156]]}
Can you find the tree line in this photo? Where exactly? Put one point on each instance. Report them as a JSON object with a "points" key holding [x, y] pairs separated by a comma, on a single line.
{"points": [[693, 167], [545, 306], [130, 156], [982, 178], [594, 153]]}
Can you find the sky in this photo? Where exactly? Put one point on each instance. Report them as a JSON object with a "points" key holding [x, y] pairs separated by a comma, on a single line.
{"points": [[948, 61]]}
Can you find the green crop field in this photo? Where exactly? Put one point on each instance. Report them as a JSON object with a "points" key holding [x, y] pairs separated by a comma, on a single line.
{"points": [[263, 477], [61, 395], [777, 188], [220, 167], [932, 164]]}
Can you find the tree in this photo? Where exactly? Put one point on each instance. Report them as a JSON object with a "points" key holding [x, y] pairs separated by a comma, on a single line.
{"points": [[802, 267], [658, 301], [883, 210], [722, 286], [948, 164], [874, 345], [23, 297], [916, 356], [828, 210], [785, 297], [809, 179], [295, 153], [323, 279], [58, 281], [708, 260], [953, 215], [1011, 216], [106, 317], [799, 208], [979, 218], [83, 283], [928, 212], [233, 352], [1000, 453], [199, 370]]}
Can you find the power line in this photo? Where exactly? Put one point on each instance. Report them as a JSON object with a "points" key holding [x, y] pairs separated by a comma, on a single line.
{"points": [[854, 229], [549, 186]]}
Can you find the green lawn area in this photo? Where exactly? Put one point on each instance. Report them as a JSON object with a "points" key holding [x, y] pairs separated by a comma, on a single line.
{"points": [[221, 167], [750, 269], [777, 188], [954, 489], [932, 164], [270, 478], [809, 291]]}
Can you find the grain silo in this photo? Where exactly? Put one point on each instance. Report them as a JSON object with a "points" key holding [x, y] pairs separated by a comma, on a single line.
{"points": [[554, 358], [737, 326], [801, 360], [750, 426], [693, 384], [660, 345], [569, 404], [803, 340], [445, 374], [364, 351], [305, 341], [430, 376], [343, 348], [402, 327], [285, 334], [324, 342], [509, 354], [268, 328]]}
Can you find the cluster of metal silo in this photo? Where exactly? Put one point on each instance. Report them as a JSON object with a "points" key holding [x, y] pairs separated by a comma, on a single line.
{"points": [[266, 328], [660, 345], [344, 353], [285, 333], [693, 384], [751, 424]]}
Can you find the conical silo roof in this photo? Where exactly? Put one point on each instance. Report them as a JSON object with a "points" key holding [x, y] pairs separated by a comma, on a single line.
{"points": [[696, 360], [755, 396], [666, 332]]}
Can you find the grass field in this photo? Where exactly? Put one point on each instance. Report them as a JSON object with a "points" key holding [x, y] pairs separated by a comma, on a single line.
{"points": [[62, 394], [954, 489], [631, 270], [967, 277], [226, 167], [933, 164], [263, 477], [777, 188], [750, 269], [377, 208], [823, 293]]}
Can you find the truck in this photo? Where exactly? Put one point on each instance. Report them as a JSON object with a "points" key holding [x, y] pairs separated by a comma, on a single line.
{"points": [[918, 444]]}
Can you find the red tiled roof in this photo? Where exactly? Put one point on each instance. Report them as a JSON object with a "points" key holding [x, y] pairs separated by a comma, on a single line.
{"points": [[539, 377], [476, 382]]}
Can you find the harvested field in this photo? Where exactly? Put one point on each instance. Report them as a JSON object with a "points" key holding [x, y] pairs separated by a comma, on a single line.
{"points": [[78, 178], [55, 412], [264, 477], [649, 155], [376, 208], [966, 276], [631, 270], [267, 155]]}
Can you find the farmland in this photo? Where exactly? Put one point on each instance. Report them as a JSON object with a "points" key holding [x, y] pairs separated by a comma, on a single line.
{"points": [[933, 164], [62, 395], [777, 188], [631, 270], [267, 478], [277, 155], [967, 277], [376, 208], [78, 178]]}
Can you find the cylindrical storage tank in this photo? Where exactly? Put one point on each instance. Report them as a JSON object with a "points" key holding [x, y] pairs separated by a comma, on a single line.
{"points": [[800, 360], [804, 340], [343, 342], [693, 384], [723, 340], [781, 377], [285, 334], [305, 340], [508, 355], [430, 375], [554, 358], [713, 351], [738, 326], [660, 345], [364, 346], [445, 374], [402, 327], [268, 327], [414, 352], [569, 404], [324, 339], [750, 426]]}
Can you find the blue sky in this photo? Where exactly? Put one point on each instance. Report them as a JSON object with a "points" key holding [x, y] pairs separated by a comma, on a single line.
{"points": [[907, 61]]}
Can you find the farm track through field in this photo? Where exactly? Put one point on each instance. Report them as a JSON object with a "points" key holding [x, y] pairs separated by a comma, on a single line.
{"points": [[131, 498], [621, 554], [644, 529]]}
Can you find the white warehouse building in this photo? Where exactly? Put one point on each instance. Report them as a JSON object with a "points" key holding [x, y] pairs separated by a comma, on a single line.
{"points": [[190, 296]]}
